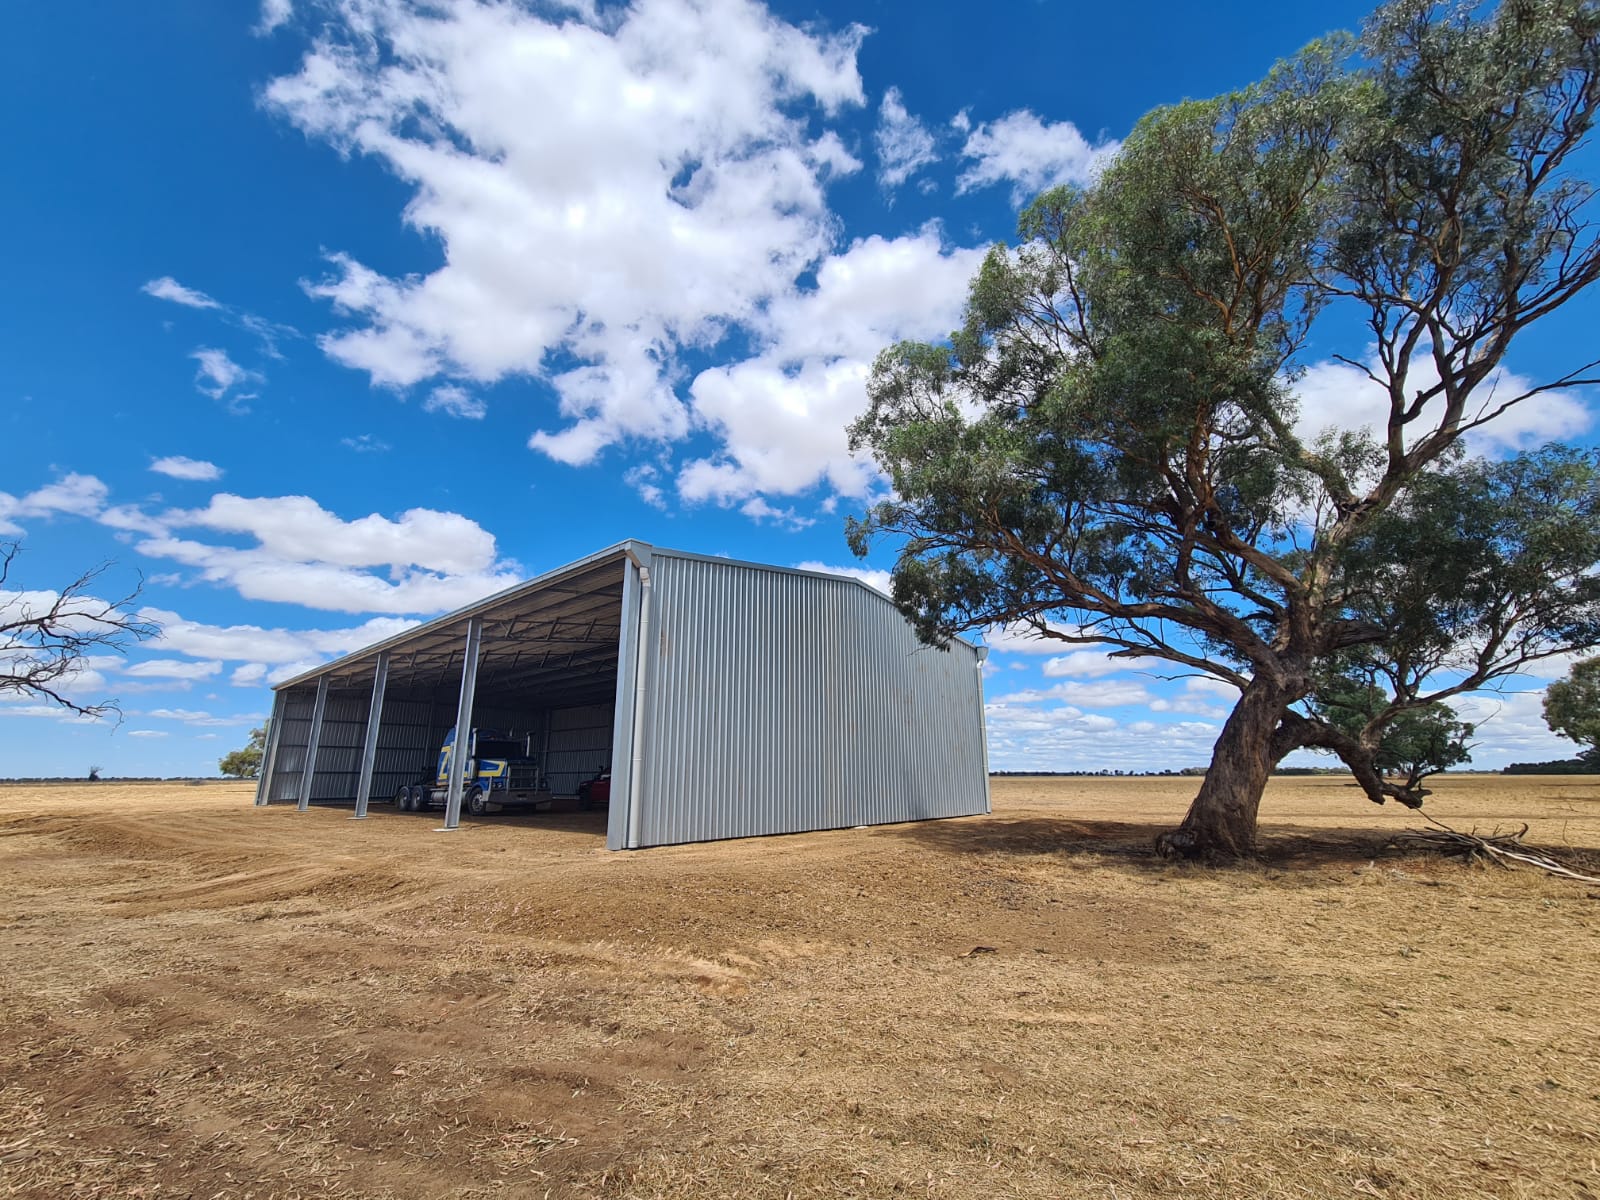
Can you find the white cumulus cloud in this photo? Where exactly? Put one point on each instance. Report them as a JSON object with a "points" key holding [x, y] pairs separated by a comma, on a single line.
{"points": [[1509, 727], [1031, 155], [178, 467], [1021, 638], [258, 647], [781, 415], [190, 716], [274, 13], [1105, 693], [421, 561], [1202, 696], [1336, 395], [1062, 737], [78, 495], [168, 288], [455, 402], [298, 528], [218, 376], [904, 143], [1091, 664], [173, 668], [679, 204], [680, 189], [873, 578]]}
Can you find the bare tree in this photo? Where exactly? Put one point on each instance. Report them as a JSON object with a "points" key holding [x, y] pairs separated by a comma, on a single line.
{"points": [[45, 636]]}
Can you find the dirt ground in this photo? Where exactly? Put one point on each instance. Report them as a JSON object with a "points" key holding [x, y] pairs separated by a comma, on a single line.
{"points": [[202, 999]]}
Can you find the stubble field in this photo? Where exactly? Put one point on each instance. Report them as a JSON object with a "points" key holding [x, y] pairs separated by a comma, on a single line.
{"points": [[203, 999]]}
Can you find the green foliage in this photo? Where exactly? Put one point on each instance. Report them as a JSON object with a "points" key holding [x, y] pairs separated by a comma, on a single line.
{"points": [[1409, 742], [246, 763], [1572, 708], [1110, 440]]}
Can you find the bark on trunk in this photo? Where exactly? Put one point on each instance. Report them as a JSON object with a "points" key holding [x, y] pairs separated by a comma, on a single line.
{"points": [[1221, 822]]}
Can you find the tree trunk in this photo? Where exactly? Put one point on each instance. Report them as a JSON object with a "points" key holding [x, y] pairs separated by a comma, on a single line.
{"points": [[1221, 823]]}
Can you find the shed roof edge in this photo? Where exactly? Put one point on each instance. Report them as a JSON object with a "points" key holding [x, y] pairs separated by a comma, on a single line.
{"points": [[616, 550], [635, 546]]}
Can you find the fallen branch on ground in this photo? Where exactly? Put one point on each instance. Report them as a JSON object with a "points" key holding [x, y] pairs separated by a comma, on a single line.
{"points": [[1502, 849]]}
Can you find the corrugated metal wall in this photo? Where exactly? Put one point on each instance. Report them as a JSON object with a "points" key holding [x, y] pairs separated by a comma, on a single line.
{"points": [[408, 744], [344, 727], [781, 702], [270, 750], [293, 734], [580, 743]]}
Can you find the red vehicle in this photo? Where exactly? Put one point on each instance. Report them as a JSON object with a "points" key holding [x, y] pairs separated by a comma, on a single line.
{"points": [[597, 790]]}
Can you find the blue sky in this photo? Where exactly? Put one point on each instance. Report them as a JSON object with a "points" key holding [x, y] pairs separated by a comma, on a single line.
{"points": [[326, 317]]}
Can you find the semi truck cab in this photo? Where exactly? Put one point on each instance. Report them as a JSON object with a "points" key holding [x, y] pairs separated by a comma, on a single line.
{"points": [[502, 768]]}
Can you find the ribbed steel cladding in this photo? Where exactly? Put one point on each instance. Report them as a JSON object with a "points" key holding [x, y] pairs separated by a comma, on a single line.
{"points": [[786, 702], [580, 742], [402, 745], [292, 739]]}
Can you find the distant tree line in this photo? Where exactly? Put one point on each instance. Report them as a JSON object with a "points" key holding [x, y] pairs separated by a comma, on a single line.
{"points": [[1559, 766]]}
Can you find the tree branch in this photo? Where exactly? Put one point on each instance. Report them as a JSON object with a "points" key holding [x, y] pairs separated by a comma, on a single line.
{"points": [[46, 636]]}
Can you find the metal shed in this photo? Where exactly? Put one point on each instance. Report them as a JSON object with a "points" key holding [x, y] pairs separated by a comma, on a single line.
{"points": [[731, 699]]}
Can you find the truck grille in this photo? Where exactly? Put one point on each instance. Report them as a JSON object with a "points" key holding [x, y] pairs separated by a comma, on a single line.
{"points": [[523, 777]]}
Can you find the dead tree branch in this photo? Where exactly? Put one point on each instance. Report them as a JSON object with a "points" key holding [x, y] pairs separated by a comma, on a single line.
{"points": [[47, 637], [1502, 849]]}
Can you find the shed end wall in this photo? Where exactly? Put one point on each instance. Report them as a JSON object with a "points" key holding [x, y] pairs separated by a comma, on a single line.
{"points": [[784, 702]]}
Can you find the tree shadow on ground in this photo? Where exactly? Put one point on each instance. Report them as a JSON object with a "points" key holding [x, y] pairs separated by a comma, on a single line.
{"points": [[1132, 843]]}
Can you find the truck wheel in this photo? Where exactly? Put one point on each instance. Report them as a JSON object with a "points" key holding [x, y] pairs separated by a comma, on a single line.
{"points": [[415, 802], [477, 802], [402, 799]]}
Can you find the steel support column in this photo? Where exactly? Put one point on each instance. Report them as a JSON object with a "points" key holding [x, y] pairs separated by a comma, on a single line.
{"points": [[310, 769], [641, 701], [622, 718], [983, 730], [269, 754], [369, 749], [463, 742]]}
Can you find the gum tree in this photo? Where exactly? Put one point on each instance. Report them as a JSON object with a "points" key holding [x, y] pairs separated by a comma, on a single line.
{"points": [[1572, 708], [245, 763], [1111, 449], [1413, 743]]}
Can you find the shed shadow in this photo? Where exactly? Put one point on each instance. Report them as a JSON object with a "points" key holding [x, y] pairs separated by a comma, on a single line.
{"points": [[560, 819], [564, 816]]}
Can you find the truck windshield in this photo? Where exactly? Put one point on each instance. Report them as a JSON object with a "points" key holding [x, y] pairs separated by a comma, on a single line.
{"points": [[493, 748]]}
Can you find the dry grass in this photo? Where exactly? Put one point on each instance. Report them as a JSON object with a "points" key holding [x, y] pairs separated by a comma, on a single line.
{"points": [[202, 999]]}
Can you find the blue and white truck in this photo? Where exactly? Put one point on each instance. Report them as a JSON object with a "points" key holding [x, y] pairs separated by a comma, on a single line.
{"points": [[502, 769]]}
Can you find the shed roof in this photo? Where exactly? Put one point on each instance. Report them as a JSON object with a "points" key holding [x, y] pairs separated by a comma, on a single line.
{"points": [[554, 637]]}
